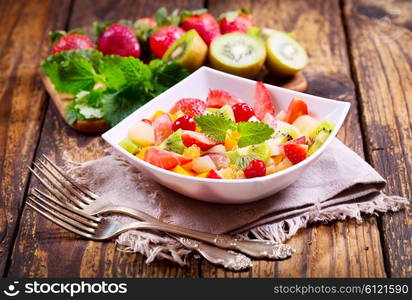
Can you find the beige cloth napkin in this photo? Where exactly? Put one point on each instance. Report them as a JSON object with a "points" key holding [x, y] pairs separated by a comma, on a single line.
{"points": [[339, 185]]}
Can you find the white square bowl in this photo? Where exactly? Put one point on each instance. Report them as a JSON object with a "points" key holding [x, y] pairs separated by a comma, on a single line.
{"points": [[225, 191]]}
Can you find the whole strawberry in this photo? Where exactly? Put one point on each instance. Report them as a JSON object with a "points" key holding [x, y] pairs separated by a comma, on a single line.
{"points": [[238, 20], [70, 41], [118, 39], [161, 39], [204, 23]]}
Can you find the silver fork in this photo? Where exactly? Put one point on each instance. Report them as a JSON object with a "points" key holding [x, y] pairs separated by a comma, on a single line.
{"points": [[107, 229]]}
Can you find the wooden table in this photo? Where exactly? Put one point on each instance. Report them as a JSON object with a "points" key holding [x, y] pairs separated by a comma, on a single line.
{"points": [[360, 52]]}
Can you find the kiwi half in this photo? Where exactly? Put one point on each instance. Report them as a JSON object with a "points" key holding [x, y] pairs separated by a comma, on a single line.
{"points": [[190, 51], [285, 56], [237, 53]]}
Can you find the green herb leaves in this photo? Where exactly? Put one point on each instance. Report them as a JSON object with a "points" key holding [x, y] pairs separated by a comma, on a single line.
{"points": [[251, 133], [125, 83]]}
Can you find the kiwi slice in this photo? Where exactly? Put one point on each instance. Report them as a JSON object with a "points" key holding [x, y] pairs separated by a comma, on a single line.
{"points": [[243, 156], [128, 145], [286, 133], [320, 135], [237, 53], [226, 112], [174, 142], [285, 56], [190, 51]]}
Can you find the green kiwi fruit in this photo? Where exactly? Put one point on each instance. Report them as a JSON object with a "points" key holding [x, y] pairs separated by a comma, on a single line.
{"points": [[128, 145], [190, 51], [320, 135], [286, 133], [243, 156], [285, 56], [237, 53], [174, 142], [226, 112]]}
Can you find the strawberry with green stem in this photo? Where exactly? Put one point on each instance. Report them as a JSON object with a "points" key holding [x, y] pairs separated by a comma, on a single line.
{"points": [[237, 20], [72, 40], [203, 22]]}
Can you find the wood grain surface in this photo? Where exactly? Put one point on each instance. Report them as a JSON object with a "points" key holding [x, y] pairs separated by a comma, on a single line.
{"points": [[346, 63], [380, 38]]}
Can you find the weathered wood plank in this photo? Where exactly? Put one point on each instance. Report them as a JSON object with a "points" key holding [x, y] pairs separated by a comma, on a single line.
{"points": [[380, 39], [45, 250], [22, 101], [342, 249]]}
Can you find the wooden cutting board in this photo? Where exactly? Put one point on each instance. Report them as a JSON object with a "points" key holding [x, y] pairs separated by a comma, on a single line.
{"points": [[296, 83]]}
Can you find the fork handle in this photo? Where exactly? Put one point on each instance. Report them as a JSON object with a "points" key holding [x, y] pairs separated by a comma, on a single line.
{"points": [[253, 248]]}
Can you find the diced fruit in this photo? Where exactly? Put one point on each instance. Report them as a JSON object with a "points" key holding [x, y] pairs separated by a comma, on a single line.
{"points": [[118, 39], [162, 128], [232, 21], [253, 119], [128, 145], [142, 134], [189, 106], [219, 98], [213, 175], [306, 124], [237, 53], [270, 120], [190, 51], [157, 113], [256, 168], [203, 164], [299, 140], [180, 170], [142, 153], [284, 164], [204, 23], [320, 135], [174, 143], [228, 173], [219, 159], [324, 126], [270, 169], [217, 149], [70, 41], [184, 122], [286, 133], [188, 166], [285, 56], [163, 38], [190, 138], [177, 115], [231, 140], [281, 116], [203, 175], [263, 102], [164, 159], [274, 148], [243, 156], [296, 108], [192, 151], [225, 112], [295, 152], [243, 112]]}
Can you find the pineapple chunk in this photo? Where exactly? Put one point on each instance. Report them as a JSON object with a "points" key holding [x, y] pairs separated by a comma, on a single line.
{"points": [[202, 175], [180, 170], [231, 140], [142, 153], [192, 152]]}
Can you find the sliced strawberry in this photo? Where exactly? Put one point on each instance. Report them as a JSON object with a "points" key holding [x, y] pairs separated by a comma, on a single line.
{"points": [[163, 127], [219, 159], [296, 108], [219, 98], [299, 140], [295, 152], [263, 102], [270, 120], [190, 138], [164, 159], [189, 106], [213, 175]]}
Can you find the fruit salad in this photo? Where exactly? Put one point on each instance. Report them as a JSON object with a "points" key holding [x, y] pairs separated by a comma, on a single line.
{"points": [[223, 137]]}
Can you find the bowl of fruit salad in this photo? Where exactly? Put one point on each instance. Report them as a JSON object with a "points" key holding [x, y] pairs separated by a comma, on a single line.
{"points": [[221, 138]]}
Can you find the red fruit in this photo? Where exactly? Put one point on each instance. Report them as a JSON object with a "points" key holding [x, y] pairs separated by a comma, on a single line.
{"points": [[147, 121], [256, 168], [162, 128], [243, 112], [164, 159], [150, 22], [118, 39], [219, 98], [299, 140], [189, 106], [72, 41], [190, 138], [219, 159], [205, 24], [295, 152], [235, 21], [161, 39], [184, 122], [296, 108], [270, 120], [213, 175], [263, 102]]}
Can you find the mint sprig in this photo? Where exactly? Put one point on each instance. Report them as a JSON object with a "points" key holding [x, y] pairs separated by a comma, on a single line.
{"points": [[253, 133], [215, 126]]}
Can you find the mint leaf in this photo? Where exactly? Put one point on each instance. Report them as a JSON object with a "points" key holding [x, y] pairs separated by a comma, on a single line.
{"points": [[215, 126], [253, 133], [166, 74], [85, 106]]}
